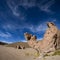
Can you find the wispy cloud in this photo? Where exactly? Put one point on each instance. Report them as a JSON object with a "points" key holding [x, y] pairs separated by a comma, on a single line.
{"points": [[41, 27], [9, 26], [46, 7], [43, 5], [5, 35], [14, 8], [54, 20], [32, 28], [13, 27], [38, 28]]}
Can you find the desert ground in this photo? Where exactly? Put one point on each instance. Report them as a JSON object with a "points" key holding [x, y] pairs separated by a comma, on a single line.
{"points": [[10, 53]]}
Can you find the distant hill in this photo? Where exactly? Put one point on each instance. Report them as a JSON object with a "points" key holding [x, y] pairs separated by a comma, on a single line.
{"points": [[25, 44], [3, 43], [19, 44]]}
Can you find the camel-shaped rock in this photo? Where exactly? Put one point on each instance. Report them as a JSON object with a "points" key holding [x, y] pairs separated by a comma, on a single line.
{"points": [[50, 42]]}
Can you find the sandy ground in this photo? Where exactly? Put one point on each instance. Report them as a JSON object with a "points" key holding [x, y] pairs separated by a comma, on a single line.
{"points": [[9, 53]]}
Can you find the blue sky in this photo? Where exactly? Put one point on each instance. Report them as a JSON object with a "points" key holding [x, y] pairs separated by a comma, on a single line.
{"points": [[20, 16]]}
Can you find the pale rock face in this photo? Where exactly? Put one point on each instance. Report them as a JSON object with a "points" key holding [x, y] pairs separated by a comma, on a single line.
{"points": [[49, 39], [31, 39], [50, 42], [58, 39]]}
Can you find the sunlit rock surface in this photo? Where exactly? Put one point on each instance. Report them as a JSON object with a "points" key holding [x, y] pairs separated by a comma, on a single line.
{"points": [[50, 42]]}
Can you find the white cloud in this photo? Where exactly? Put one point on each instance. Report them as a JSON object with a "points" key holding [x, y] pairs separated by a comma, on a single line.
{"points": [[41, 27], [6, 41], [5, 35]]}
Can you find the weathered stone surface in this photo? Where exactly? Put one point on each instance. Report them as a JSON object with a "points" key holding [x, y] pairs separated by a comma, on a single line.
{"points": [[49, 39], [31, 39], [50, 42], [58, 39]]}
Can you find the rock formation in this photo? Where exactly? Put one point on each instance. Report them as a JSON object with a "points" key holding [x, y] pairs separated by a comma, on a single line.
{"points": [[20, 47], [50, 42]]}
